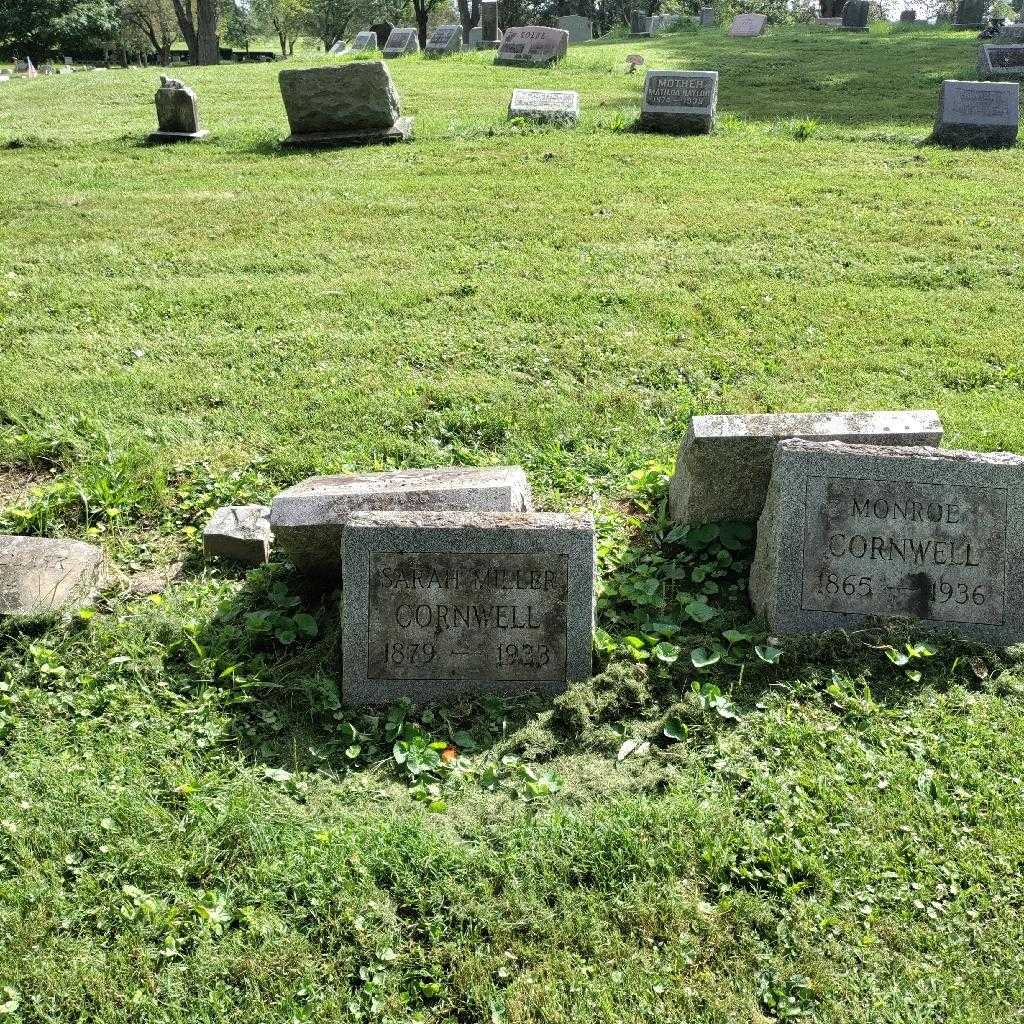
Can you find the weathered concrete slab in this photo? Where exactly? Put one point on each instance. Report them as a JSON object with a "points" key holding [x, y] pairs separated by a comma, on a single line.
{"points": [[307, 520], [725, 462], [855, 531], [440, 605], [240, 533], [40, 576]]}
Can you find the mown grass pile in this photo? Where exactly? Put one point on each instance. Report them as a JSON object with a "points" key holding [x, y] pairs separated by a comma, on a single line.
{"points": [[720, 826]]}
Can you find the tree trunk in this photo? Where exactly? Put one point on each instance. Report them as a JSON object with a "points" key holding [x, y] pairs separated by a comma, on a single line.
{"points": [[469, 17], [206, 32], [422, 16], [183, 12]]}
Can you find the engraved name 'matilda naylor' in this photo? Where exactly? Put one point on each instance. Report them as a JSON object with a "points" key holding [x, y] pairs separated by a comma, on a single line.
{"points": [[446, 615], [927, 550]]}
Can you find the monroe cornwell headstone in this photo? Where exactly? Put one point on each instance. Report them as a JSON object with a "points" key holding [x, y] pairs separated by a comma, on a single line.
{"points": [[443, 604], [1001, 63], [177, 113], [401, 42], [680, 102], [546, 106], [978, 113], [444, 40], [725, 462], [855, 531], [532, 46], [341, 106], [308, 519]]}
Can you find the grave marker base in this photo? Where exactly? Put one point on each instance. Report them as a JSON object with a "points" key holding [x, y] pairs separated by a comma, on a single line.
{"points": [[400, 131], [156, 138]]}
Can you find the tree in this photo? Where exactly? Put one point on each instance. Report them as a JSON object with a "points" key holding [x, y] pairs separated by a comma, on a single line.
{"points": [[285, 18], [422, 10], [328, 20], [197, 20], [241, 25], [154, 21], [40, 28], [469, 16]]}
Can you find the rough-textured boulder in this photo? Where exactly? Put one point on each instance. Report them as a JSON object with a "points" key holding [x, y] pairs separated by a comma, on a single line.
{"points": [[40, 576]]}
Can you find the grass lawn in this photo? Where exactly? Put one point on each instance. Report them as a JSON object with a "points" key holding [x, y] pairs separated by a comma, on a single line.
{"points": [[192, 828]]}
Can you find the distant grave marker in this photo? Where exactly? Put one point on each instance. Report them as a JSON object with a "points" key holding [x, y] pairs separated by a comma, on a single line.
{"points": [[439, 605], [1001, 63], [679, 102], [708, 17], [364, 41], [444, 40], [746, 25], [177, 113], [547, 106], [490, 34], [382, 30], [532, 46], [978, 113], [853, 531], [401, 42], [856, 15], [639, 24], [580, 29]]}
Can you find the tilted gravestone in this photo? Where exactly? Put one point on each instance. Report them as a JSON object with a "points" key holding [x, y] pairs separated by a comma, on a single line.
{"points": [[444, 40], [240, 533], [1001, 63], [978, 113], [970, 13], [439, 605], [337, 49], [401, 42], [532, 46], [307, 520], [746, 25], [490, 35], [855, 531], [580, 29], [40, 576], [725, 462], [679, 102], [364, 41], [341, 106], [177, 113], [856, 15], [546, 106]]}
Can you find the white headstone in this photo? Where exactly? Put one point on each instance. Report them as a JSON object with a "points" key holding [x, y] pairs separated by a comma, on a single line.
{"points": [[402, 41], [364, 41], [744, 25], [978, 113], [445, 39], [545, 105]]}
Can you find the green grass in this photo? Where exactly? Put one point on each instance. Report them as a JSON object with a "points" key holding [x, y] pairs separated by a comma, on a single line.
{"points": [[192, 828]]}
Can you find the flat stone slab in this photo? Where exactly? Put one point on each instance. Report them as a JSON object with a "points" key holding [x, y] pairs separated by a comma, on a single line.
{"points": [[851, 532], [532, 46], [1001, 63], [307, 520], [546, 106], [746, 25], [441, 605], [344, 102], [679, 102], [40, 576], [240, 533], [400, 131], [978, 113], [725, 462]]}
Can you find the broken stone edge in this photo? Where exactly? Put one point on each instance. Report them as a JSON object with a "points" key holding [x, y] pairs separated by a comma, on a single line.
{"points": [[776, 576], [479, 533]]}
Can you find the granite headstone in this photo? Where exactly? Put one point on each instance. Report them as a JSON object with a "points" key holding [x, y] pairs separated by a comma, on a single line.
{"points": [[745, 25], [401, 42], [1001, 63], [177, 113], [444, 40], [532, 46], [580, 29], [978, 113], [679, 102], [856, 14]]}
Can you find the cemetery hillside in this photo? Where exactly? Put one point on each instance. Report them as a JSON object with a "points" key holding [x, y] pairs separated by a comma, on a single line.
{"points": [[634, 696]]}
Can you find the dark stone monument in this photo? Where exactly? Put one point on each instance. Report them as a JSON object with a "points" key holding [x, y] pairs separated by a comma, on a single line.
{"points": [[639, 24], [908, 15], [856, 15], [177, 113], [382, 30], [439, 605], [679, 102], [490, 36], [970, 14]]}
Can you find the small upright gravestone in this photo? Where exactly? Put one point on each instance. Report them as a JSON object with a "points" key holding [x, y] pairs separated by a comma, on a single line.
{"points": [[445, 39], [364, 41], [337, 49], [856, 14], [854, 531], [725, 462], [545, 106], [639, 24], [177, 113], [490, 35], [746, 25], [978, 113], [439, 605], [342, 106], [532, 46], [679, 102], [708, 17], [1001, 63], [580, 29], [401, 42]]}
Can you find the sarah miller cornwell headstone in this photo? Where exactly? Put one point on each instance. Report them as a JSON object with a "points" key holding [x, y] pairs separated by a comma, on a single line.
{"points": [[177, 113], [978, 113], [438, 605], [851, 532]]}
